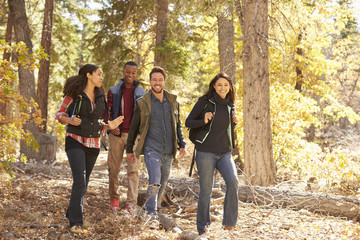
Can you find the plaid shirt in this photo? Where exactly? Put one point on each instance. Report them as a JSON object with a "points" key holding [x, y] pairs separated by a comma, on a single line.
{"points": [[86, 141], [110, 98]]}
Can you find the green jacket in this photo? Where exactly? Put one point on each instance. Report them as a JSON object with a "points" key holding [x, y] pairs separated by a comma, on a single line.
{"points": [[141, 120]]}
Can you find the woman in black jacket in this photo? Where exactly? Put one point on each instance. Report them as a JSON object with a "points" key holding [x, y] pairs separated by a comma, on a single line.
{"points": [[214, 121], [82, 109]]}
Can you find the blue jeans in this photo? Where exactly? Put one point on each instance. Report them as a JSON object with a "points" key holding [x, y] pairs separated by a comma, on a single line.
{"points": [[82, 161], [158, 166], [206, 163]]}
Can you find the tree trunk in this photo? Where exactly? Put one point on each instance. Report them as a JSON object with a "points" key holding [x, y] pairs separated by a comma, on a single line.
{"points": [[26, 76], [258, 153], [299, 76], [44, 71], [227, 57], [161, 26], [8, 35], [226, 42], [4, 107]]}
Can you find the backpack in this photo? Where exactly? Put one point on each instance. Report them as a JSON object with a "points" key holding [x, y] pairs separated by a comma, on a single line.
{"points": [[192, 134]]}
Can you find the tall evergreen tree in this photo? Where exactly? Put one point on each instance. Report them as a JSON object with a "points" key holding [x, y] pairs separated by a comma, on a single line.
{"points": [[258, 151]]}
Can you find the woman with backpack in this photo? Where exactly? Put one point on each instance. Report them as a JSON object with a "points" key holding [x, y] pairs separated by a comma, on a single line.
{"points": [[213, 121], [82, 109]]}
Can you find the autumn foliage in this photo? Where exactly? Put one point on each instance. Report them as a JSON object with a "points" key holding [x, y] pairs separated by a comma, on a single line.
{"points": [[18, 110]]}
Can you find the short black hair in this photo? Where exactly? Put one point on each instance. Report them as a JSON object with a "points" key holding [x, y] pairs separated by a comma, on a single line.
{"points": [[130, 63]]}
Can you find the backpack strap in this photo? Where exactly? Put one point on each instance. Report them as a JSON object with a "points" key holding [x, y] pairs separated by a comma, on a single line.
{"points": [[192, 162]]}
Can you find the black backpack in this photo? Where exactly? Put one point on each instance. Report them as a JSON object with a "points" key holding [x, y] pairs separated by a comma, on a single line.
{"points": [[192, 134]]}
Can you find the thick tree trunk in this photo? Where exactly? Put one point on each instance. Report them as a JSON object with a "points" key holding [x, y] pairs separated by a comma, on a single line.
{"points": [[26, 76], [258, 153], [4, 107], [161, 27], [226, 42], [44, 71]]}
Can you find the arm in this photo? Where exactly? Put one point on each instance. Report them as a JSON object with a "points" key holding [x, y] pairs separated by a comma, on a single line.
{"points": [[133, 132], [180, 136], [195, 120], [179, 132], [110, 104], [110, 98], [62, 115]]}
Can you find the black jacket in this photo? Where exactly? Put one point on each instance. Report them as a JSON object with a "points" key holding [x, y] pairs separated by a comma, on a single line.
{"points": [[195, 120], [90, 120]]}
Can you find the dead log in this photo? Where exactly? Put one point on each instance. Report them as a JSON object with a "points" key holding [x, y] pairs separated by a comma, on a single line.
{"points": [[334, 205], [193, 208]]}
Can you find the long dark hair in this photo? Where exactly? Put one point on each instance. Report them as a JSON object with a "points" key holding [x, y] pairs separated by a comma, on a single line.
{"points": [[211, 90], [75, 85]]}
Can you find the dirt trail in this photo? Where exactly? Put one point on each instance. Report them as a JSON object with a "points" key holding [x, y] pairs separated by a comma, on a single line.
{"points": [[32, 206]]}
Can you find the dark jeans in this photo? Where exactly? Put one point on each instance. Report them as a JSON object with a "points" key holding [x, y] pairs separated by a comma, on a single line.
{"points": [[158, 166], [206, 163], [82, 161]]}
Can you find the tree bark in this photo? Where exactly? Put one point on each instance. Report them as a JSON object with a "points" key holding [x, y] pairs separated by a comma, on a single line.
{"points": [[161, 27], [8, 35], [226, 42], [258, 153], [44, 71], [227, 56], [26, 76]]}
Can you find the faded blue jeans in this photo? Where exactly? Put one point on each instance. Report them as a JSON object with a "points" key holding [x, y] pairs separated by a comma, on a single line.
{"points": [[206, 163], [158, 166]]}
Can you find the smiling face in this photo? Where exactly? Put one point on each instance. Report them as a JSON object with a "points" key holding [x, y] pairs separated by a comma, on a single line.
{"points": [[96, 78], [222, 87], [129, 75], [157, 82]]}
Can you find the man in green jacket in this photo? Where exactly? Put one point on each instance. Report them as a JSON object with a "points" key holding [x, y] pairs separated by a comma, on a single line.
{"points": [[157, 119]]}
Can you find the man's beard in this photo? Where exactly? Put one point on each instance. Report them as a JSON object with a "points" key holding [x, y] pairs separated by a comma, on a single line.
{"points": [[157, 91]]}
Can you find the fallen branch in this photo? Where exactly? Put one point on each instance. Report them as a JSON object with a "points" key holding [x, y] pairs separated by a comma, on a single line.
{"points": [[193, 208], [333, 205]]}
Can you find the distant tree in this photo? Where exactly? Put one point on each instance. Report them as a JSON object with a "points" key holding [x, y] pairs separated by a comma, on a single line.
{"points": [[258, 151], [161, 28], [44, 71]]}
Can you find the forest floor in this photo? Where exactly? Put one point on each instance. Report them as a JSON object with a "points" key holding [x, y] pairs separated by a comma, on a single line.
{"points": [[33, 204]]}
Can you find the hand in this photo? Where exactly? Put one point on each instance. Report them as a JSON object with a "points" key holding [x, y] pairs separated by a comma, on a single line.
{"points": [[116, 131], [182, 153], [208, 116], [75, 121], [130, 157], [116, 122]]}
